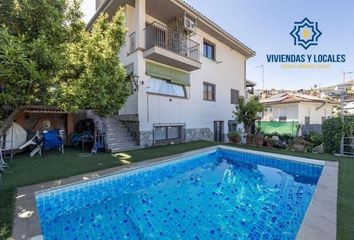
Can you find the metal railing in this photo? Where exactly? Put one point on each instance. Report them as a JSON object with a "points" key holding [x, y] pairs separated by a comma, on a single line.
{"points": [[348, 146], [161, 36]]}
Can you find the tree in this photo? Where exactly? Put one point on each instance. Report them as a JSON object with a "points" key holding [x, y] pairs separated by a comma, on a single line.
{"points": [[47, 57], [247, 112], [32, 34], [93, 77]]}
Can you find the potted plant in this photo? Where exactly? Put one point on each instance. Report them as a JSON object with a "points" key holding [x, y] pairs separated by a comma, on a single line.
{"points": [[234, 137], [300, 145], [269, 142], [259, 140]]}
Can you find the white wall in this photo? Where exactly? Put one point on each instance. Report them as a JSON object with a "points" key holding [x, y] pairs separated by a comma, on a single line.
{"points": [[298, 112], [281, 110], [309, 110], [196, 112], [131, 105], [226, 72]]}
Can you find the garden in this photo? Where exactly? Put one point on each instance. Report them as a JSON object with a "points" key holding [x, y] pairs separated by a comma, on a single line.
{"points": [[326, 142]]}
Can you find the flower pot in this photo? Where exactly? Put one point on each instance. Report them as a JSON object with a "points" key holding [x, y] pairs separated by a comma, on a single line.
{"points": [[236, 140], [259, 142], [299, 147], [269, 144]]}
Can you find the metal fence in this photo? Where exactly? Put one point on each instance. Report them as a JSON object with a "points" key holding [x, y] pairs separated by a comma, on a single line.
{"points": [[306, 129]]}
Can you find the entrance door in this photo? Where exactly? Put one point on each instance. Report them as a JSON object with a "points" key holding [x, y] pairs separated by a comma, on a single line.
{"points": [[219, 131]]}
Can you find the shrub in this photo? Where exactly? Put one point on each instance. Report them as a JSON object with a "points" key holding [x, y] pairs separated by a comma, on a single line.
{"points": [[332, 132], [315, 138], [233, 134]]}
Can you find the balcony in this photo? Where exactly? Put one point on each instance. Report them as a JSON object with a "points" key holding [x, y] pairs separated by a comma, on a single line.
{"points": [[171, 48]]}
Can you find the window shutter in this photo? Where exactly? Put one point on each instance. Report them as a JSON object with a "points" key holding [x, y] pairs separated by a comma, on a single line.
{"points": [[166, 73]]}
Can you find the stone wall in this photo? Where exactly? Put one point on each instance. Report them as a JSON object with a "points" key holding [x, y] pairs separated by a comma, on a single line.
{"points": [[192, 134], [195, 134], [146, 138]]}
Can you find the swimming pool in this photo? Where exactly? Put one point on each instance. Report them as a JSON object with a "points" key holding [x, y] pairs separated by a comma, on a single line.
{"points": [[219, 194]]}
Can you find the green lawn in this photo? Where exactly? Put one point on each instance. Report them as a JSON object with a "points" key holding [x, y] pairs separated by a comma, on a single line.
{"points": [[26, 171]]}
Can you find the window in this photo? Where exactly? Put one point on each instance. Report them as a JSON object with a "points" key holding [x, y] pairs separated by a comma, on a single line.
{"points": [[307, 120], [163, 87], [209, 50], [234, 96], [208, 91], [166, 133], [282, 119]]}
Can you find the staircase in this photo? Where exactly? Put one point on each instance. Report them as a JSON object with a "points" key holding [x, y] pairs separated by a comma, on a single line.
{"points": [[118, 137]]}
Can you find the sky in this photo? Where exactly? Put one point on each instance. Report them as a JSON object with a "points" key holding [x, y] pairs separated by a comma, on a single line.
{"points": [[265, 27]]}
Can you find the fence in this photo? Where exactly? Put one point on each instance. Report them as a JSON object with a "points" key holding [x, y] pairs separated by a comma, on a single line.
{"points": [[311, 128], [161, 36], [269, 127]]}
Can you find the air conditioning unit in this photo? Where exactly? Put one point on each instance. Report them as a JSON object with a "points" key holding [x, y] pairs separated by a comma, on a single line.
{"points": [[189, 24]]}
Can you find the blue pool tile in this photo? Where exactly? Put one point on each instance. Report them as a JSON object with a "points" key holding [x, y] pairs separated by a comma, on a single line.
{"points": [[219, 195]]}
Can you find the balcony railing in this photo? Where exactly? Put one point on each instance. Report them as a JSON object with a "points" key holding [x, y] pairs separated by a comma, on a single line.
{"points": [[160, 36]]}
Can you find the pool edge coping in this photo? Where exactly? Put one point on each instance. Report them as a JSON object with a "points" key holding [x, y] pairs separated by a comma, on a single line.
{"points": [[26, 195]]}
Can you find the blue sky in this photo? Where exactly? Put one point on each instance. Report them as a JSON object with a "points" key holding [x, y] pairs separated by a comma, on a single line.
{"points": [[265, 27]]}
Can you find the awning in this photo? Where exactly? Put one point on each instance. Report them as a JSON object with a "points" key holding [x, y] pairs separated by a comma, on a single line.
{"points": [[167, 73]]}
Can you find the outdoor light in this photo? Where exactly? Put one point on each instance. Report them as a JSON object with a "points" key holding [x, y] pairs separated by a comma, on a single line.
{"points": [[135, 81]]}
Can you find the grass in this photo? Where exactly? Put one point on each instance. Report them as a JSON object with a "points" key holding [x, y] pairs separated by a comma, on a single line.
{"points": [[27, 171]]}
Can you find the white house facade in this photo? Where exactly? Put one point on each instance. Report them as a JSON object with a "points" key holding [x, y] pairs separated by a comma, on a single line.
{"points": [[187, 72], [302, 108]]}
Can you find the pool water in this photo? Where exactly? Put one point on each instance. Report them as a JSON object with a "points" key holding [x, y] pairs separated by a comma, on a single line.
{"points": [[220, 194]]}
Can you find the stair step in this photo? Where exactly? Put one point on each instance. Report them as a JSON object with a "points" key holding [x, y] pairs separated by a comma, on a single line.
{"points": [[115, 150], [117, 129], [121, 144], [118, 135], [120, 138], [114, 123], [120, 141]]}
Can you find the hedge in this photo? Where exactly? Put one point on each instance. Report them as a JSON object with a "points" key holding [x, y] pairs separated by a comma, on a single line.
{"points": [[332, 132]]}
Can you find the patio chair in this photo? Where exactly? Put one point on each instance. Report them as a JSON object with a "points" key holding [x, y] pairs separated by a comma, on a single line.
{"points": [[53, 140], [36, 140]]}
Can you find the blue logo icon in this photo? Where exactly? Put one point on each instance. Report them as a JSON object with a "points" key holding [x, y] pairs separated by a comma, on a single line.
{"points": [[306, 33]]}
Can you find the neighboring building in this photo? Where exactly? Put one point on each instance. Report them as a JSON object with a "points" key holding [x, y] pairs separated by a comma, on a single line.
{"points": [[187, 71], [349, 108], [304, 109], [250, 89]]}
